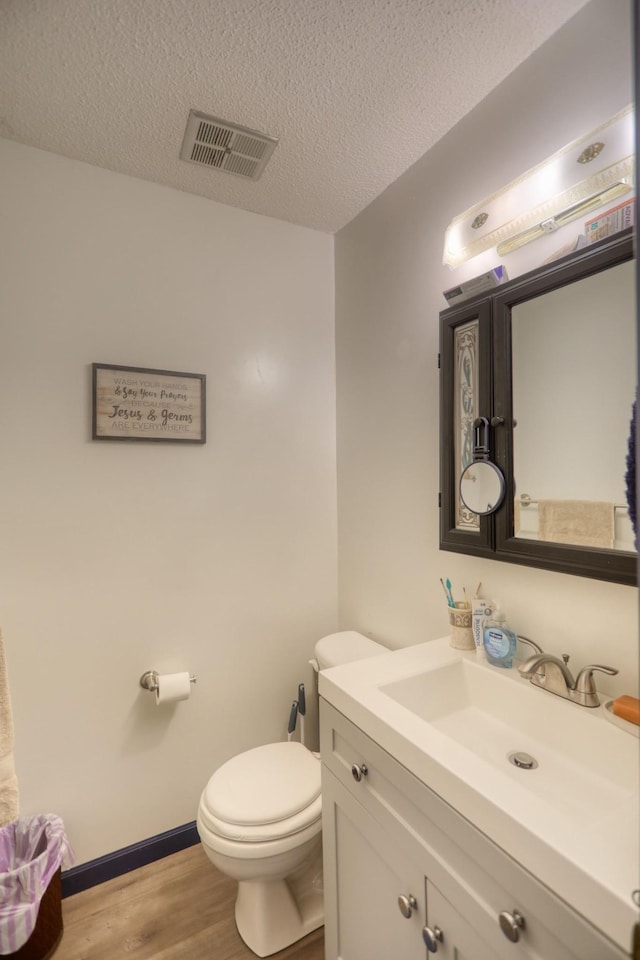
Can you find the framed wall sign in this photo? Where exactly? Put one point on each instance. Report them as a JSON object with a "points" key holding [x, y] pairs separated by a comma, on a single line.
{"points": [[137, 403]]}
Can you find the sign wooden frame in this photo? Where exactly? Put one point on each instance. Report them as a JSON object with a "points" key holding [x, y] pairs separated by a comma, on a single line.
{"points": [[140, 403]]}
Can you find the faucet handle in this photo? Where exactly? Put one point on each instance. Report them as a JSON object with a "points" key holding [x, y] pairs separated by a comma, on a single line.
{"points": [[585, 682]]}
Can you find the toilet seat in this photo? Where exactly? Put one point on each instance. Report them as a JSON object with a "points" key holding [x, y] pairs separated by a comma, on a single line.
{"points": [[264, 794]]}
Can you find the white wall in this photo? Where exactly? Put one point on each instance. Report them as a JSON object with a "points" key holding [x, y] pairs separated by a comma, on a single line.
{"points": [[121, 557], [389, 283]]}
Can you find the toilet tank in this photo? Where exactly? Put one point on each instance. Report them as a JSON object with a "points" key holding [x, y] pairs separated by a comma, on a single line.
{"points": [[344, 647]]}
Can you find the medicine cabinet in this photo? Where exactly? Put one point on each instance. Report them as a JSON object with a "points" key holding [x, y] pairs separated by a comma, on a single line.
{"points": [[543, 369]]}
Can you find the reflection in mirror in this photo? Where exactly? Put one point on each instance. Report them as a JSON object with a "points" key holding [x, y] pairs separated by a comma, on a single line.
{"points": [[482, 487], [574, 382]]}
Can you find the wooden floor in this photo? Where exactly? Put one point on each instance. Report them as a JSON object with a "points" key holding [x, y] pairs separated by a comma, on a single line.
{"points": [[179, 908]]}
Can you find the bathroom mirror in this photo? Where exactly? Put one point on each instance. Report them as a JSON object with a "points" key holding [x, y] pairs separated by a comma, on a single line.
{"points": [[481, 487], [549, 360], [583, 337]]}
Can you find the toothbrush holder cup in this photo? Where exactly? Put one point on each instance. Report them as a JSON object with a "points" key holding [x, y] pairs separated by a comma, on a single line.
{"points": [[461, 634]]}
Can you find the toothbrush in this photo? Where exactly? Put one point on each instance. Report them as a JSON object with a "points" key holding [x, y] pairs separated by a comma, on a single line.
{"points": [[445, 592], [302, 709], [293, 716], [466, 598], [448, 586]]}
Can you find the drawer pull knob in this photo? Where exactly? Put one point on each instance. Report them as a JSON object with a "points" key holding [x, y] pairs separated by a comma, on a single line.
{"points": [[432, 938], [358, 771], [511, 924], [407, 905]]}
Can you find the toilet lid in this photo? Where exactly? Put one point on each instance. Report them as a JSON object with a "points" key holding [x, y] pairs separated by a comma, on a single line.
{"points": [[264, 785]]}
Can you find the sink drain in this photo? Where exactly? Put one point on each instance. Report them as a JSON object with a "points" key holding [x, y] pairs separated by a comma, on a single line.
{"points": [[523, 760]]}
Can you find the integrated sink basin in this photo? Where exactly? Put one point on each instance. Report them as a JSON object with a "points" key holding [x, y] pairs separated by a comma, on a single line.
{"points": [[575, 767]]}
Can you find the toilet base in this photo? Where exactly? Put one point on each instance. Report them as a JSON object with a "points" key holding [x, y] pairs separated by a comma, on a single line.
{"points": [[272, 914]]}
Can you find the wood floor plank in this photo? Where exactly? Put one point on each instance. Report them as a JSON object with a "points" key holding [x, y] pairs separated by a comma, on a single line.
{"points": [[179, 907]]}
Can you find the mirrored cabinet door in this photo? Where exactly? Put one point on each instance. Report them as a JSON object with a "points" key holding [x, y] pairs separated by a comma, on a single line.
{"points": [[571, 426]]}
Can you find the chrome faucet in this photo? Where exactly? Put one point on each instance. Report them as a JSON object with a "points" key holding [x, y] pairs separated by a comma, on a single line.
{"points": [[552, 674], [534, 646]]}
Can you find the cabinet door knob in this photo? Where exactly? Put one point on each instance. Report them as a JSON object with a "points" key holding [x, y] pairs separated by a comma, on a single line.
{"points": [[407, 905], [358, 771], [432, 938], [511, 924]]}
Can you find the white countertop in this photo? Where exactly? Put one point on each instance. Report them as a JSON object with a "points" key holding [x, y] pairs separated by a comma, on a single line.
{"points": [[594, 867]]}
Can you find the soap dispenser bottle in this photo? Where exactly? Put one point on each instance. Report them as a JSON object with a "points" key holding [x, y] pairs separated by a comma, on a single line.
{"points": [[499, 641]]}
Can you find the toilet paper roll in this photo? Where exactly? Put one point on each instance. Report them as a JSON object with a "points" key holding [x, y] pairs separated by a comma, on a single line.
{"points": [[173, 687]]}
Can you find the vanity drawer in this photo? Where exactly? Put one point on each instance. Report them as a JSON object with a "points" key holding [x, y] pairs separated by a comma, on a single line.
{"points": [[467, 868]]}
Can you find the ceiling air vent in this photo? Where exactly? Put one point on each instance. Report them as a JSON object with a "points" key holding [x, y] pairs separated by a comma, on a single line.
{"points": [[225, 146]]}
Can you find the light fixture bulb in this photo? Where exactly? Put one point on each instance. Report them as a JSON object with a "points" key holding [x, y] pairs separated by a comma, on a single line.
{"points": [[549, 194]]}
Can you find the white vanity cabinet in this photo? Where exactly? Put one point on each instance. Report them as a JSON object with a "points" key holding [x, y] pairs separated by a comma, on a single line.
{"points": [[406, 875]]}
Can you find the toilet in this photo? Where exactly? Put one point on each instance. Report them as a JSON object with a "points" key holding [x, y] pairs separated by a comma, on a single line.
{"points": [[260, 822]]}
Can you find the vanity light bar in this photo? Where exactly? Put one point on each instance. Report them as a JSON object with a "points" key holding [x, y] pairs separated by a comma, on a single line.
{"points": [[551, 224], [571, 182]]}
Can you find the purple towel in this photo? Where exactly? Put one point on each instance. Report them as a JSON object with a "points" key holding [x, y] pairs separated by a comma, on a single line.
{"points": [[630, 476]]}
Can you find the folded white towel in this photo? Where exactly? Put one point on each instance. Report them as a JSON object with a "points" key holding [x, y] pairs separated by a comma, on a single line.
{"points": [[8, 780]]}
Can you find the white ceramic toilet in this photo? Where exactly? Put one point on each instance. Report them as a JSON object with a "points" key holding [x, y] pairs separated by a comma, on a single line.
{"points": [[259, 821]]}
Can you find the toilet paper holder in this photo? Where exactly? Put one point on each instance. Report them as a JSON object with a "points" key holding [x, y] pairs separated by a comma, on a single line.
{"points": [[149, 680]]}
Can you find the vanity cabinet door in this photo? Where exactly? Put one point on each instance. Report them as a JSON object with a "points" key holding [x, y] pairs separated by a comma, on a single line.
{"points": [[459, 940], [471, 928], [366, 871]]}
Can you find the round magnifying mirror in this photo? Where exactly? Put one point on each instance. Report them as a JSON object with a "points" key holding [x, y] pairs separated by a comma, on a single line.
{"points": [[482, 487]]}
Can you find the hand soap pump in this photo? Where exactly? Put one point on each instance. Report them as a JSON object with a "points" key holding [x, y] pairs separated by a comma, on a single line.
{"points": [[499, 641]]}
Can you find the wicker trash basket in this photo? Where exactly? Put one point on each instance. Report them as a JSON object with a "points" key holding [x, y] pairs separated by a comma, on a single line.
{"points": [[47, 932], [33, 851]]}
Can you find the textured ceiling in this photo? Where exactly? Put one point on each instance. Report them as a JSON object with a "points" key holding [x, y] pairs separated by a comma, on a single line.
{"points": [[355, 90]]}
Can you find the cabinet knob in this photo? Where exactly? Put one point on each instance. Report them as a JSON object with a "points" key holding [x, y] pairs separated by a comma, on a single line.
{"points": [[358, 771], [407, 905], [432, 938], [511, 924]]}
